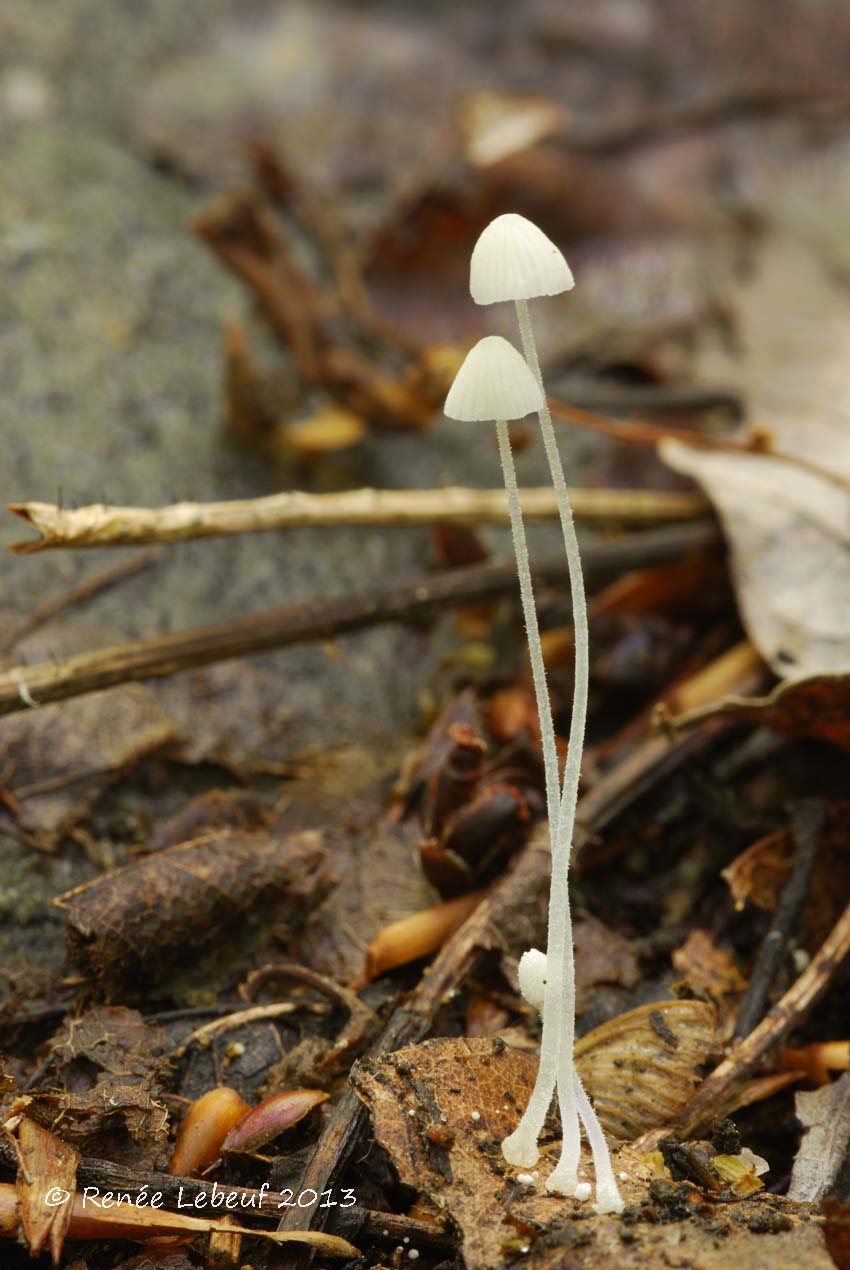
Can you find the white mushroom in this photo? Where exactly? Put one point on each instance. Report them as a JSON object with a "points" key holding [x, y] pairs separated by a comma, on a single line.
{"points": [[495, 383], [514, 260]]}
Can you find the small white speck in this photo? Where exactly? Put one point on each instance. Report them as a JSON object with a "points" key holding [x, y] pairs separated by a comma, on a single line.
{"points": [[476, 1115], [525, 1248], [412, 1111], [505, 1107], [385, 1233], [624, 1177], [413, 1254], [406, 1239], [536, 1174], [526, 1179], [582, 1191]]}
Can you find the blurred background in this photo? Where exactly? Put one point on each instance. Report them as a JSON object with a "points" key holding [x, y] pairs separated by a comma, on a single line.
{"points": [[692, 160]]}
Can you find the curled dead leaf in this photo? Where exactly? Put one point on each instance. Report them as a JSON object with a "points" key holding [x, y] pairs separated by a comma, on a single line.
{"points": [[818, 705]]}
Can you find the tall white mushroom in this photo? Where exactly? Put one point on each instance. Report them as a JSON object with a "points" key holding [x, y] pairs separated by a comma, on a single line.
{"points": [[514, 260]]}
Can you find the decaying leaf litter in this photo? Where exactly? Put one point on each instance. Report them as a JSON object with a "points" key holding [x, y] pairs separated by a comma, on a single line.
{"points": [[266, 824]]}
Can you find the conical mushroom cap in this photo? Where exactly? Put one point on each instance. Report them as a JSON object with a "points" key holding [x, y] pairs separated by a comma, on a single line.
{"points": [[514, 260], [494, 382]]}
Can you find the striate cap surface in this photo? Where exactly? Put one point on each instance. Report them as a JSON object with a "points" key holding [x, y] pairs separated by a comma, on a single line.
{"points": [[494, 382], [514, 260]]}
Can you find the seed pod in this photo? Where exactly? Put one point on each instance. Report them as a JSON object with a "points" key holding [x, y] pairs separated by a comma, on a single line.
{"points": [[418, 935], [273, 1116], [205, 1126]]}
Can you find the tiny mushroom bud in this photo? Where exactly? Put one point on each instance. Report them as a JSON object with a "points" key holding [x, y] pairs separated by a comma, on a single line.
{"points": [[532, 977]]}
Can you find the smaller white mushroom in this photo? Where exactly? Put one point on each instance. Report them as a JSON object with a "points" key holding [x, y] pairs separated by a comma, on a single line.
{"points": [[493, 383]]}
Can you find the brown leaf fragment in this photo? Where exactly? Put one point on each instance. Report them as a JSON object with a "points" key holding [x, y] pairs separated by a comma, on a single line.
{"points": [[110, 1063], [825, 1117], [124, 927], [381, 882], [58, 760], [818, 705], [45, 1164], [708, 969], [441, 1109], [759, 873]]}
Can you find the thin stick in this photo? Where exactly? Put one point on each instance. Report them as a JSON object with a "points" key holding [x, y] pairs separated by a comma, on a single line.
{"points": [[806, 829], [103, 526], [784, 1016], [166, 654], [85, 590], [758, 445]]}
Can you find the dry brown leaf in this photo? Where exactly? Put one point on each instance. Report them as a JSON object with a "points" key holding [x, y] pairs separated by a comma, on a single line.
{"points": [[110, 1063], [757, 875], [707, 968], [441, 1110], [825, 1117], [57, 760], [788, 526], [381, 882], [45, 1162], [123, 927]]}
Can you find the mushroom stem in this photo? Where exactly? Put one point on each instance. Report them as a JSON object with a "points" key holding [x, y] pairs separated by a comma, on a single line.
{"points": [[529, 612], [521, 1148], [560, 942]]}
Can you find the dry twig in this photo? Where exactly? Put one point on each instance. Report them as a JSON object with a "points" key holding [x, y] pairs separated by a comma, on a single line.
{"points": [[787, 1014], [806, 830], [102, 526]]}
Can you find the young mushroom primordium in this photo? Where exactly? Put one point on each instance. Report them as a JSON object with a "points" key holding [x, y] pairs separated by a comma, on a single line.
{"points": [[514, 260]]}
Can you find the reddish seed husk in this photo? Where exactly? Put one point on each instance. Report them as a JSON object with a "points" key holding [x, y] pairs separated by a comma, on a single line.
{"points": [[271, 1117]]}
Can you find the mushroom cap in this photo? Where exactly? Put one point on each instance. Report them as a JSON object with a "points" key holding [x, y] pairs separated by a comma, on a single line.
{"points": [[514, 260], [494, 382]]}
